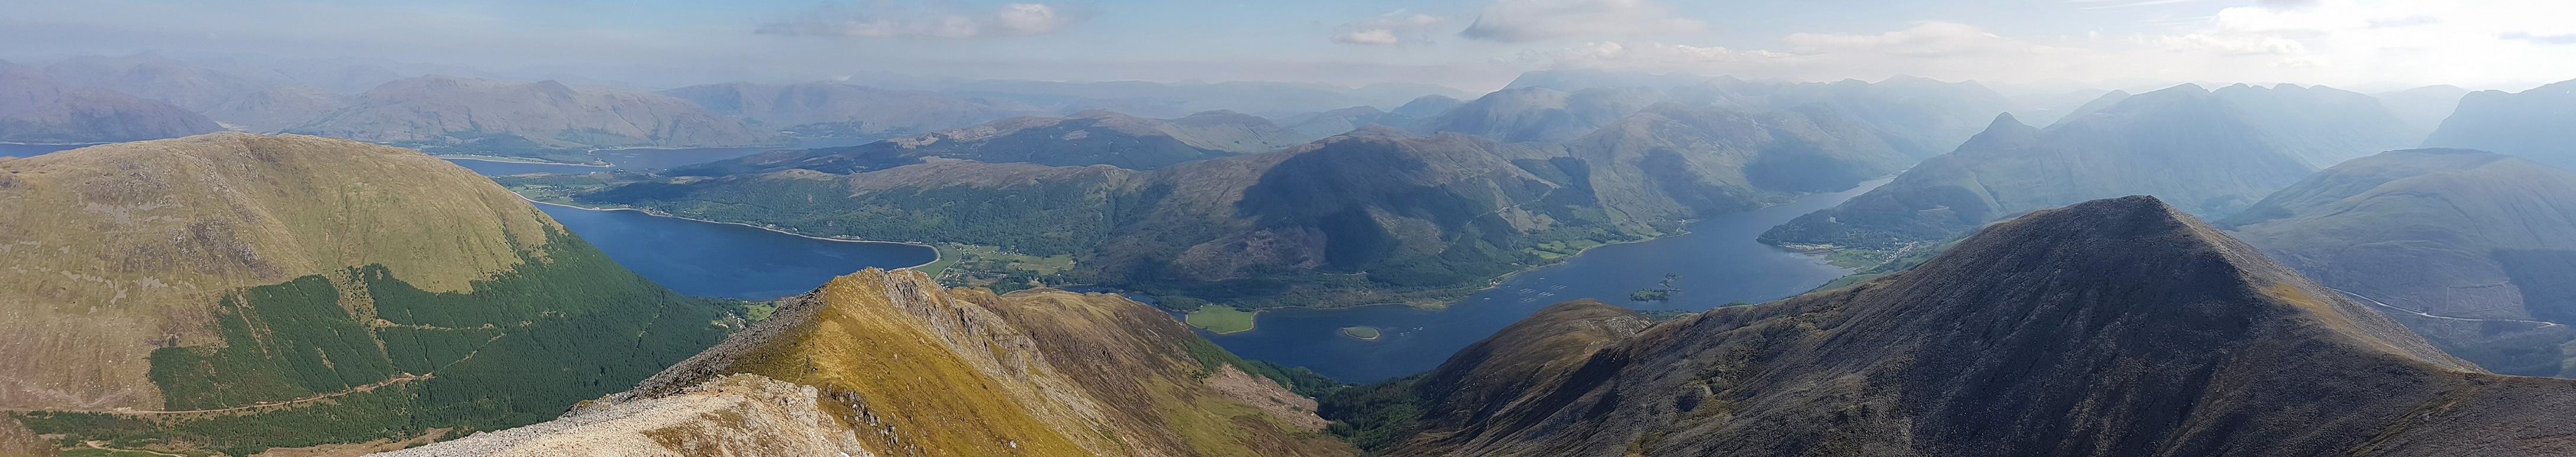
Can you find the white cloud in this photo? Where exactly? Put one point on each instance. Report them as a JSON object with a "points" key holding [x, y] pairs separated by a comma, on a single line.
{"points": [[2233, 45], [1527, 20], [1925, 40], [888, 19], [1399, 27]]}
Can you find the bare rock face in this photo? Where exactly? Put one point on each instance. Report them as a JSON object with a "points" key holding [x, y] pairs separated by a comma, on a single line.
{"points": [[2115, 327], [888, 363], [732, 415]]}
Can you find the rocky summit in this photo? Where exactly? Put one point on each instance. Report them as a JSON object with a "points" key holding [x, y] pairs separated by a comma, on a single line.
{"points": [[2115, 327]]}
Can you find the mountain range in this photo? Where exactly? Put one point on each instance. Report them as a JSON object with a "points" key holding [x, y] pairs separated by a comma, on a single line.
{"points": [[2114, 327], [477, 115], [1374, 215], [2210, 152], [2533, 124], [232, 292], [36, 108], [1096, 137], [832, 108], [2471, 249]]}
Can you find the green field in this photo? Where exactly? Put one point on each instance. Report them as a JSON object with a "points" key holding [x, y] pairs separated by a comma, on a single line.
{"points": [[1362, 332], [1222, 320]]}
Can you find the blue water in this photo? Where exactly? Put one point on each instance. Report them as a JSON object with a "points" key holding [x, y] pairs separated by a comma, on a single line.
{"points": [[32, 150], [726, 260], [1719, 263]]}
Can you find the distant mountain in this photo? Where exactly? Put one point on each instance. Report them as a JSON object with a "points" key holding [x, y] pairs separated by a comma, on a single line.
{"points": [[1152, 99], [1097, 137], [297, 291], [839, 109], [1920, 117], [2423, 108], [2046, 108], [478, 115], [36, 108], [1427, 106], [251, 101], [1540, 114], [2537, 124], [887, 363], [1336, 122], [2471, 249], [1570, 80], [2211, 152], [2120, 327]]}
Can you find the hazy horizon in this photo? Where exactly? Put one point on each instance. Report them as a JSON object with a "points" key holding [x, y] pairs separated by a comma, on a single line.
{"points": [[1474, 45]]}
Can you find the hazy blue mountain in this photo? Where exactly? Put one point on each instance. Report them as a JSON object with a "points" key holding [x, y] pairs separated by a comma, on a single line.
{"points": [[2423, 108], [250, 100], [833, 108], [1427, 106], [493, 116], [1335, 122], [2209, 152], [1541, 114], [2471, 249], [1163, 100], [36, 108], [1096, 137], [2537, 124], [1570, 80]]}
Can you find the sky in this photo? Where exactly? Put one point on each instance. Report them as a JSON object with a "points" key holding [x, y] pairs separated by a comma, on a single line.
{"points": [[1467, 44]]}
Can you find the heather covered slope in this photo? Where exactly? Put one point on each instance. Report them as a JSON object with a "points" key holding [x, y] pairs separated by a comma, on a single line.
{"points": [[2471, 248], [2113, 327], [293, 291], [2208, 152], [479, 115], [40, 109], [2537, 124], [887, 363]]}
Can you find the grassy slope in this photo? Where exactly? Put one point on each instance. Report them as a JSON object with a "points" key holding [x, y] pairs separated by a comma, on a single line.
{"points": [[226, 270]]}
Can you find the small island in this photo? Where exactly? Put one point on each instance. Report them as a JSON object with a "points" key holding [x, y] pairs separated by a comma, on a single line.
{"points": [[1363, 333], [1663, 293]]}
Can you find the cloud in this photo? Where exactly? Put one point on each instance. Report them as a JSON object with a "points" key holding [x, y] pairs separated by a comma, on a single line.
{"points": [[1925, 40], [1528, 20], [2539, 39], [889, 19], [1395, 28], [2233, 45]]}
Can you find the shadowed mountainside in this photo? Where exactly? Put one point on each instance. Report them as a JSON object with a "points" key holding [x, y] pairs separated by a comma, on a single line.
{"points": [[2474, 250], [2112, 328], [887, 363]]}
